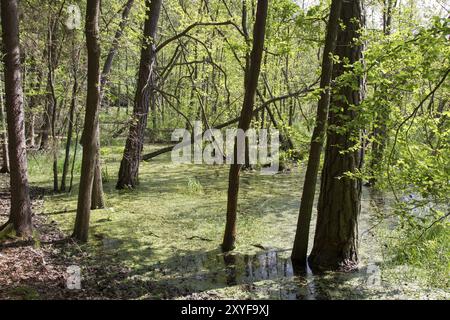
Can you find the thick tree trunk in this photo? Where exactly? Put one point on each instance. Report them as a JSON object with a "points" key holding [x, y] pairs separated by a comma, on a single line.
{"points": [[20, 216], [129, 167], [335, 242], [90, 123], [300, 249], [251, 83]]}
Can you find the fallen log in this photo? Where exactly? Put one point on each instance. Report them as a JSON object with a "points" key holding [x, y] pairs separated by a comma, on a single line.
{"points": [[266, 104]]}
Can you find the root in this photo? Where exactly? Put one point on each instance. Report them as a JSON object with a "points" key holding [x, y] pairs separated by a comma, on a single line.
{"points": [[6, 230]]}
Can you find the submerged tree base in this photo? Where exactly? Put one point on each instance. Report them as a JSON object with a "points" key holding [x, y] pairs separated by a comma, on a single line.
{"points": [[148, 244]]}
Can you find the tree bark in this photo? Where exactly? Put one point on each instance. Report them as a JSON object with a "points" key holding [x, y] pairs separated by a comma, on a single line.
{"points": [[97, 198], [380, 130], [34, 101], [300, 249], [335, 242], [20, 216], [73, 106], [251, 83], [129, 166], [50, 96], [81, 228], [4, 168]]}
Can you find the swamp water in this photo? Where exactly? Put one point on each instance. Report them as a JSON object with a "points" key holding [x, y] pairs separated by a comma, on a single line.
{"points": [[168, 233]]}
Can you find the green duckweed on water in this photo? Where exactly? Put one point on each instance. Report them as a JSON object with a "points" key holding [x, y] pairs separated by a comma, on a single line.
{"points": [[168, 231]]}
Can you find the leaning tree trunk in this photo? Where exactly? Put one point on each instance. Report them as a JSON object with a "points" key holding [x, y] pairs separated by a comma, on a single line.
{"points": [[90, 123], [129, 166], [300, 249], [335, 242], [251, 83], [20, 216]]}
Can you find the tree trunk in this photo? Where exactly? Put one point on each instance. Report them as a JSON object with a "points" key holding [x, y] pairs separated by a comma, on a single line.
{"points": [[50, 101], [251, 83], [380, 130], [46, 126], [4, 168], [90, 123], [97, 199], [129, 166], [73, 106], [20, 216], [34, 101], [335, 242], [300, 249], [77, 131]]}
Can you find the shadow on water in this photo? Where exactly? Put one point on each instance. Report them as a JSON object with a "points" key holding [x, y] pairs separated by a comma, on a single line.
{"points": [[268, 274]]}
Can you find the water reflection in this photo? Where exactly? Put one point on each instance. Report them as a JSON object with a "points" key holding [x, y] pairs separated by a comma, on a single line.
{"points": [[269, 274]]}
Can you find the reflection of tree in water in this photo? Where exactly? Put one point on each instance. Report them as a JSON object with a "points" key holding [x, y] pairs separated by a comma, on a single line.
{"points": [[268, 273]]}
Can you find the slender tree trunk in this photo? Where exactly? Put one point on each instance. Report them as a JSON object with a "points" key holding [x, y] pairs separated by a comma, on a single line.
{"points": [[335, 242], [300, 249], [97, 198], [251, 83], [129, 167], [73, 106], [115, 44], [34, 101], [20, 216], [50, 97], [46, 126], [4, 168], [380, 131], [77, 131], [81, 228], [247, 165]]}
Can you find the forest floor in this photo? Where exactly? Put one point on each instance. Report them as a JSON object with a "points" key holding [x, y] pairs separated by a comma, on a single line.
{"points": [[161, 241]]}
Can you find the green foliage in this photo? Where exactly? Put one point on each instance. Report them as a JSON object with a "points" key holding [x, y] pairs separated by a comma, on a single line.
{"points": [[425, 252]]}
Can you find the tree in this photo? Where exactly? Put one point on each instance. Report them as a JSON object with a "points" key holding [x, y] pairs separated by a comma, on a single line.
{"points": [[4, 167], [129, 166], [20, 216], [97, 200], [90, 121], [300, 249], [52, 57], [380, 134], [72, 110], [251, 83], [335, 242]]}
